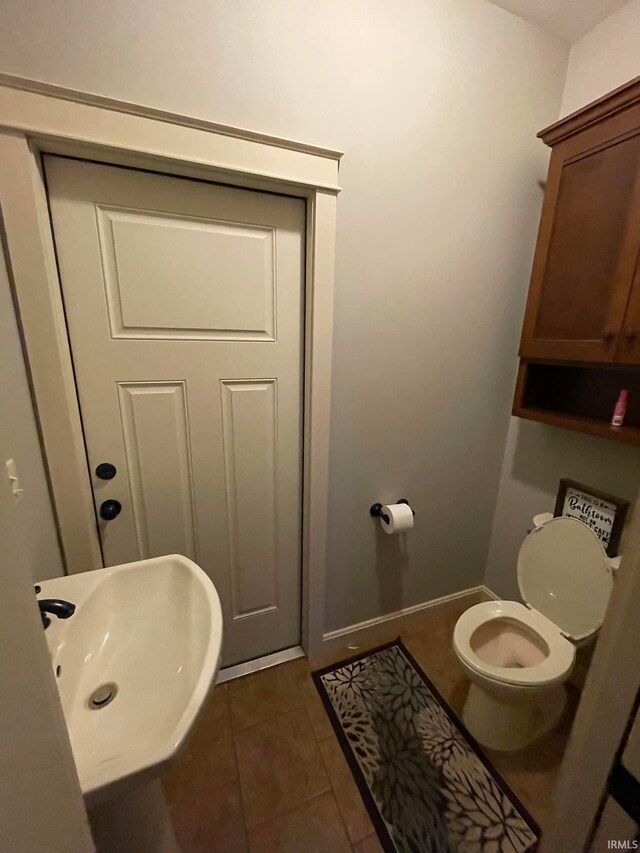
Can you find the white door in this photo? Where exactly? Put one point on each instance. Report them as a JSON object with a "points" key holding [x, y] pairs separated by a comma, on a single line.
{"points": [[184, 309]]}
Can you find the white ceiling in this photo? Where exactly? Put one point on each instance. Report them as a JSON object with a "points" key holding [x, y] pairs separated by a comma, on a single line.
{"points": [[569, 19]]}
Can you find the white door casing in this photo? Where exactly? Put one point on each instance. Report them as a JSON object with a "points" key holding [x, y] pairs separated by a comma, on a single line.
{"points": [[37, 119], [184, 308]]}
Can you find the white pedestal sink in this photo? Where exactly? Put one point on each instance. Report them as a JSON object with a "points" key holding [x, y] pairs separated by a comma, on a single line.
{"points": [[134, 666]]}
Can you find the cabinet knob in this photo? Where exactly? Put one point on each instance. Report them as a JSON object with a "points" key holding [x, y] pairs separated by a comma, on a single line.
{"points": [[630, 335], [607, 335]]}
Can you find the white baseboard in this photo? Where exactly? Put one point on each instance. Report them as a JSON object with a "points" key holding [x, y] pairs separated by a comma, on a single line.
{"points": [[491, 595], [352, 636], [363, 632]]}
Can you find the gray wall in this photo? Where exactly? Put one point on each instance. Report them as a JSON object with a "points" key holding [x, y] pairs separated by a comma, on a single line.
{"points": [[437, 104], [42, 806], [40, 797], [27, 529], [537, 456], [606, 57]]}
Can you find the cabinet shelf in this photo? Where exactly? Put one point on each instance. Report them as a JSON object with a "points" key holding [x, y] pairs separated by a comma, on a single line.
{"points": [[590, 426], [579, 397]]}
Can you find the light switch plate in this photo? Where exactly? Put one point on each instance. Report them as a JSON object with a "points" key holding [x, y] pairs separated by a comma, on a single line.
{"points": [[12, 475]]}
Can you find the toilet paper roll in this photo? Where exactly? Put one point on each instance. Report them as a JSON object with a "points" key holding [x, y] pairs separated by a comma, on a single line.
{"points": [[400, 518]]}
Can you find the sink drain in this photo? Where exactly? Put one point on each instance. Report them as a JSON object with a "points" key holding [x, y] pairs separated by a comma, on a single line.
{"points": [[102, 696]]}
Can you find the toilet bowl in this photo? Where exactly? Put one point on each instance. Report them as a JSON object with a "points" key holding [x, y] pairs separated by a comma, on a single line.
{"points": [[518, 656]]}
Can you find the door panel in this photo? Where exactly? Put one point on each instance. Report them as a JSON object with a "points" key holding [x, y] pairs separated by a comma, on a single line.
{"points": [[590, 256], [161, 273], [249, 432], [158, 453], [184, 308]]}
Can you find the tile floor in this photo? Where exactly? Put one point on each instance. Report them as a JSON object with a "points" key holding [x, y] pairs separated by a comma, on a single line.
{"points": [[264, 772]]}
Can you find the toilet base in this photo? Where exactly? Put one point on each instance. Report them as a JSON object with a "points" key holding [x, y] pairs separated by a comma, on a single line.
{"points": [[510, 722]]}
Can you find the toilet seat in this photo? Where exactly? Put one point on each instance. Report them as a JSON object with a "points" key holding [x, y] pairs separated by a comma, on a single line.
{"points": [[555, 667], [564, 574]]}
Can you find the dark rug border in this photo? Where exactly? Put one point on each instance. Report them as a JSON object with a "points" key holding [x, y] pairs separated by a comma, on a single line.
{"points": [[356, 772]]}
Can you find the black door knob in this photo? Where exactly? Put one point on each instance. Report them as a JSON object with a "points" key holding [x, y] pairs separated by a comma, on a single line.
{"points": [[110, 509], [106, 471]]}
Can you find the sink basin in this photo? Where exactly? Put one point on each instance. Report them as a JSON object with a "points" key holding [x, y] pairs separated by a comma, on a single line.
{"points": [[147, 637]]}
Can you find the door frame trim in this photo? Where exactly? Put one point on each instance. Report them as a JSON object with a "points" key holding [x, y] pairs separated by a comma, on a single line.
{"points": [[37, 119]]}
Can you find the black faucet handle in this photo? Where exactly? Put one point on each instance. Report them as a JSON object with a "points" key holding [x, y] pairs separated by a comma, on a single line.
{"points": [[57, 607]]}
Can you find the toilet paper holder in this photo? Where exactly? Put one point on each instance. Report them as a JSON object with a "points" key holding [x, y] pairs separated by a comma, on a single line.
{"points": [[376, 510]]}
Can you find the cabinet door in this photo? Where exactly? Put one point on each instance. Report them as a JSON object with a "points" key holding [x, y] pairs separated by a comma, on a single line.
{"points": [[629, 344], [586, 253]]}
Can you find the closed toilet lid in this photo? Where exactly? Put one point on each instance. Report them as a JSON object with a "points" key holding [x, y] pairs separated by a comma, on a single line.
{"points": [[564, 573]]}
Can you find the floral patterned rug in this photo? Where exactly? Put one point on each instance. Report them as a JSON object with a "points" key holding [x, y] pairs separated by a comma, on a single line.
{"points": [[427, 788]]}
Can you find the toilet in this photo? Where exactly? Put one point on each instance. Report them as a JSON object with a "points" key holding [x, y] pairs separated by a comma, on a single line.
{"points": [[518, 656]]}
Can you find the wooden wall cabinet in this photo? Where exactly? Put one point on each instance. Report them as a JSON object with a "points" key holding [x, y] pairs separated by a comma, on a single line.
{"points": [[580, 340]]}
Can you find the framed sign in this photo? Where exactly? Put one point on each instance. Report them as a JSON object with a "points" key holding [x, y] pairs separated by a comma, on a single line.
{"points": [[603, 513]]}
